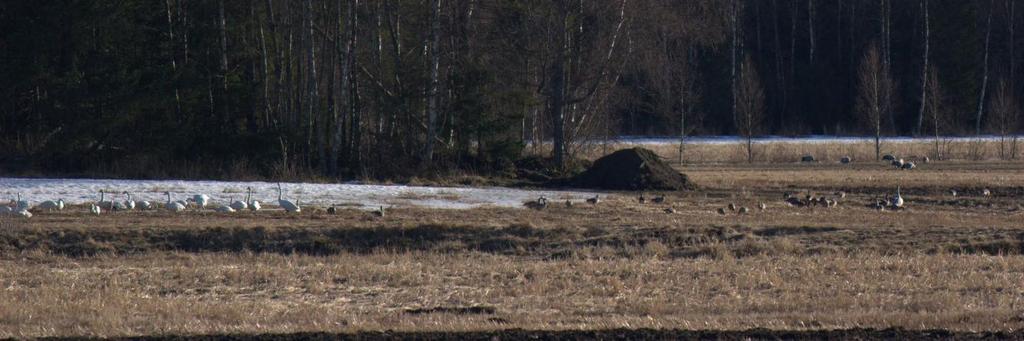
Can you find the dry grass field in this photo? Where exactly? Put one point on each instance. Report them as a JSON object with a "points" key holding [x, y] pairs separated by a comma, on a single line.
{"points": [[945, 262]]}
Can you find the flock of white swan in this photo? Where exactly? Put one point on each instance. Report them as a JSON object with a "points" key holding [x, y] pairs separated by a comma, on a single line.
{"points": [[22, 208]]}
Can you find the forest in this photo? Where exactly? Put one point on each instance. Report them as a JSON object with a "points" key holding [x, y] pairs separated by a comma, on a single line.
{"points": [[385, 89]]}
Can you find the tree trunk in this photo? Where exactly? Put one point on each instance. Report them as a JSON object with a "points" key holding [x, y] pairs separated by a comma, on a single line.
{"points": [[984, 78], [924, 67], [810, 32], [174, 63], [556, 92], [733, 18], [343, 104], [435, 57], [224, 60]]}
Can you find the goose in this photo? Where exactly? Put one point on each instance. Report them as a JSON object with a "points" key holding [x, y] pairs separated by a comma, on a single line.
{"points": [[732, 207], [51, 205], [762, 206], [332, 210], [95, 209], [897, 201], [568, 203], [595, 200], [201, 200], [793, 201], [129, 203], [380, 212], [670, 210], [253, 204], [145, 205], [288, 206], [238, 205], [721, 211], [659, 199], [841, 194], [986, 192], [175, 206], [953, 193], [641, 198], [909, 165], [744, 210]]}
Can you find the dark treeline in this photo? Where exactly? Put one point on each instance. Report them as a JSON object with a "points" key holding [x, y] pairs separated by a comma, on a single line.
{"points": [[386, 88]]}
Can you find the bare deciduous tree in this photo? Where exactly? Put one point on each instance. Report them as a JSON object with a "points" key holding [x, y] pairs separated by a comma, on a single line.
{"points": [[935, 111], [873, 100], [749, 105], [1003, 119]]}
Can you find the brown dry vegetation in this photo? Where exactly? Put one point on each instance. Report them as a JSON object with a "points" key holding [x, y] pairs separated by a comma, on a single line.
{"points": [[946, 262], [829, 152]]}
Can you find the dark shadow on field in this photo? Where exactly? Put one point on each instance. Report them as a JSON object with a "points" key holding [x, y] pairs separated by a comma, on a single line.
{"points": [[610, 334], [516, 239]]}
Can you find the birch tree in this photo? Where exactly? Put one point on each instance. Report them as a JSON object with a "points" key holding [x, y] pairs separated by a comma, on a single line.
{"points": [[750, 115], [873, 101], [1004, 114]]}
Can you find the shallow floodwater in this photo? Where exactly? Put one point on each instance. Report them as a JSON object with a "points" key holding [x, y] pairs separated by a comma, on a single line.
{"points": [[78, 191]]}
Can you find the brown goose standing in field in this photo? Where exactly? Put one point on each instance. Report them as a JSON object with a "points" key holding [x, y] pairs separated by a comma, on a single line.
{"points": [[641, 198], [332, 210], [762, 206], [568, 203], [379, 212], [744, 210], [792, 201], [732, 207], [595, 200], [659, 199], [670, 210], [721, 211]]}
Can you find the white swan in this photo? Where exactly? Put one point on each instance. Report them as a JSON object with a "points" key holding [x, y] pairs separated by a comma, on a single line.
{"points": [[129, 203], [225, 209], [51, 205], [175, 206], [254, 205], [201, 200], [23, 213], [285, 204], [21, 204], [102, 204], [144, 205], [897, 201], [238, 205], [95, 209]]}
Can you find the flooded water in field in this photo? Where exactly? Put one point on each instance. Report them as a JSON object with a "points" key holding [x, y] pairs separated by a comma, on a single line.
{"points": [[77, 191]]}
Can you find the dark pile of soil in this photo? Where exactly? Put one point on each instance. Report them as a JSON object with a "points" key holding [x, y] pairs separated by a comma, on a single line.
{"points": [[632, 170]]}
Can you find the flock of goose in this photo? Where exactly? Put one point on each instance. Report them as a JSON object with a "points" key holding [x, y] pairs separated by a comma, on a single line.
{"points": [[19, 207]]}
